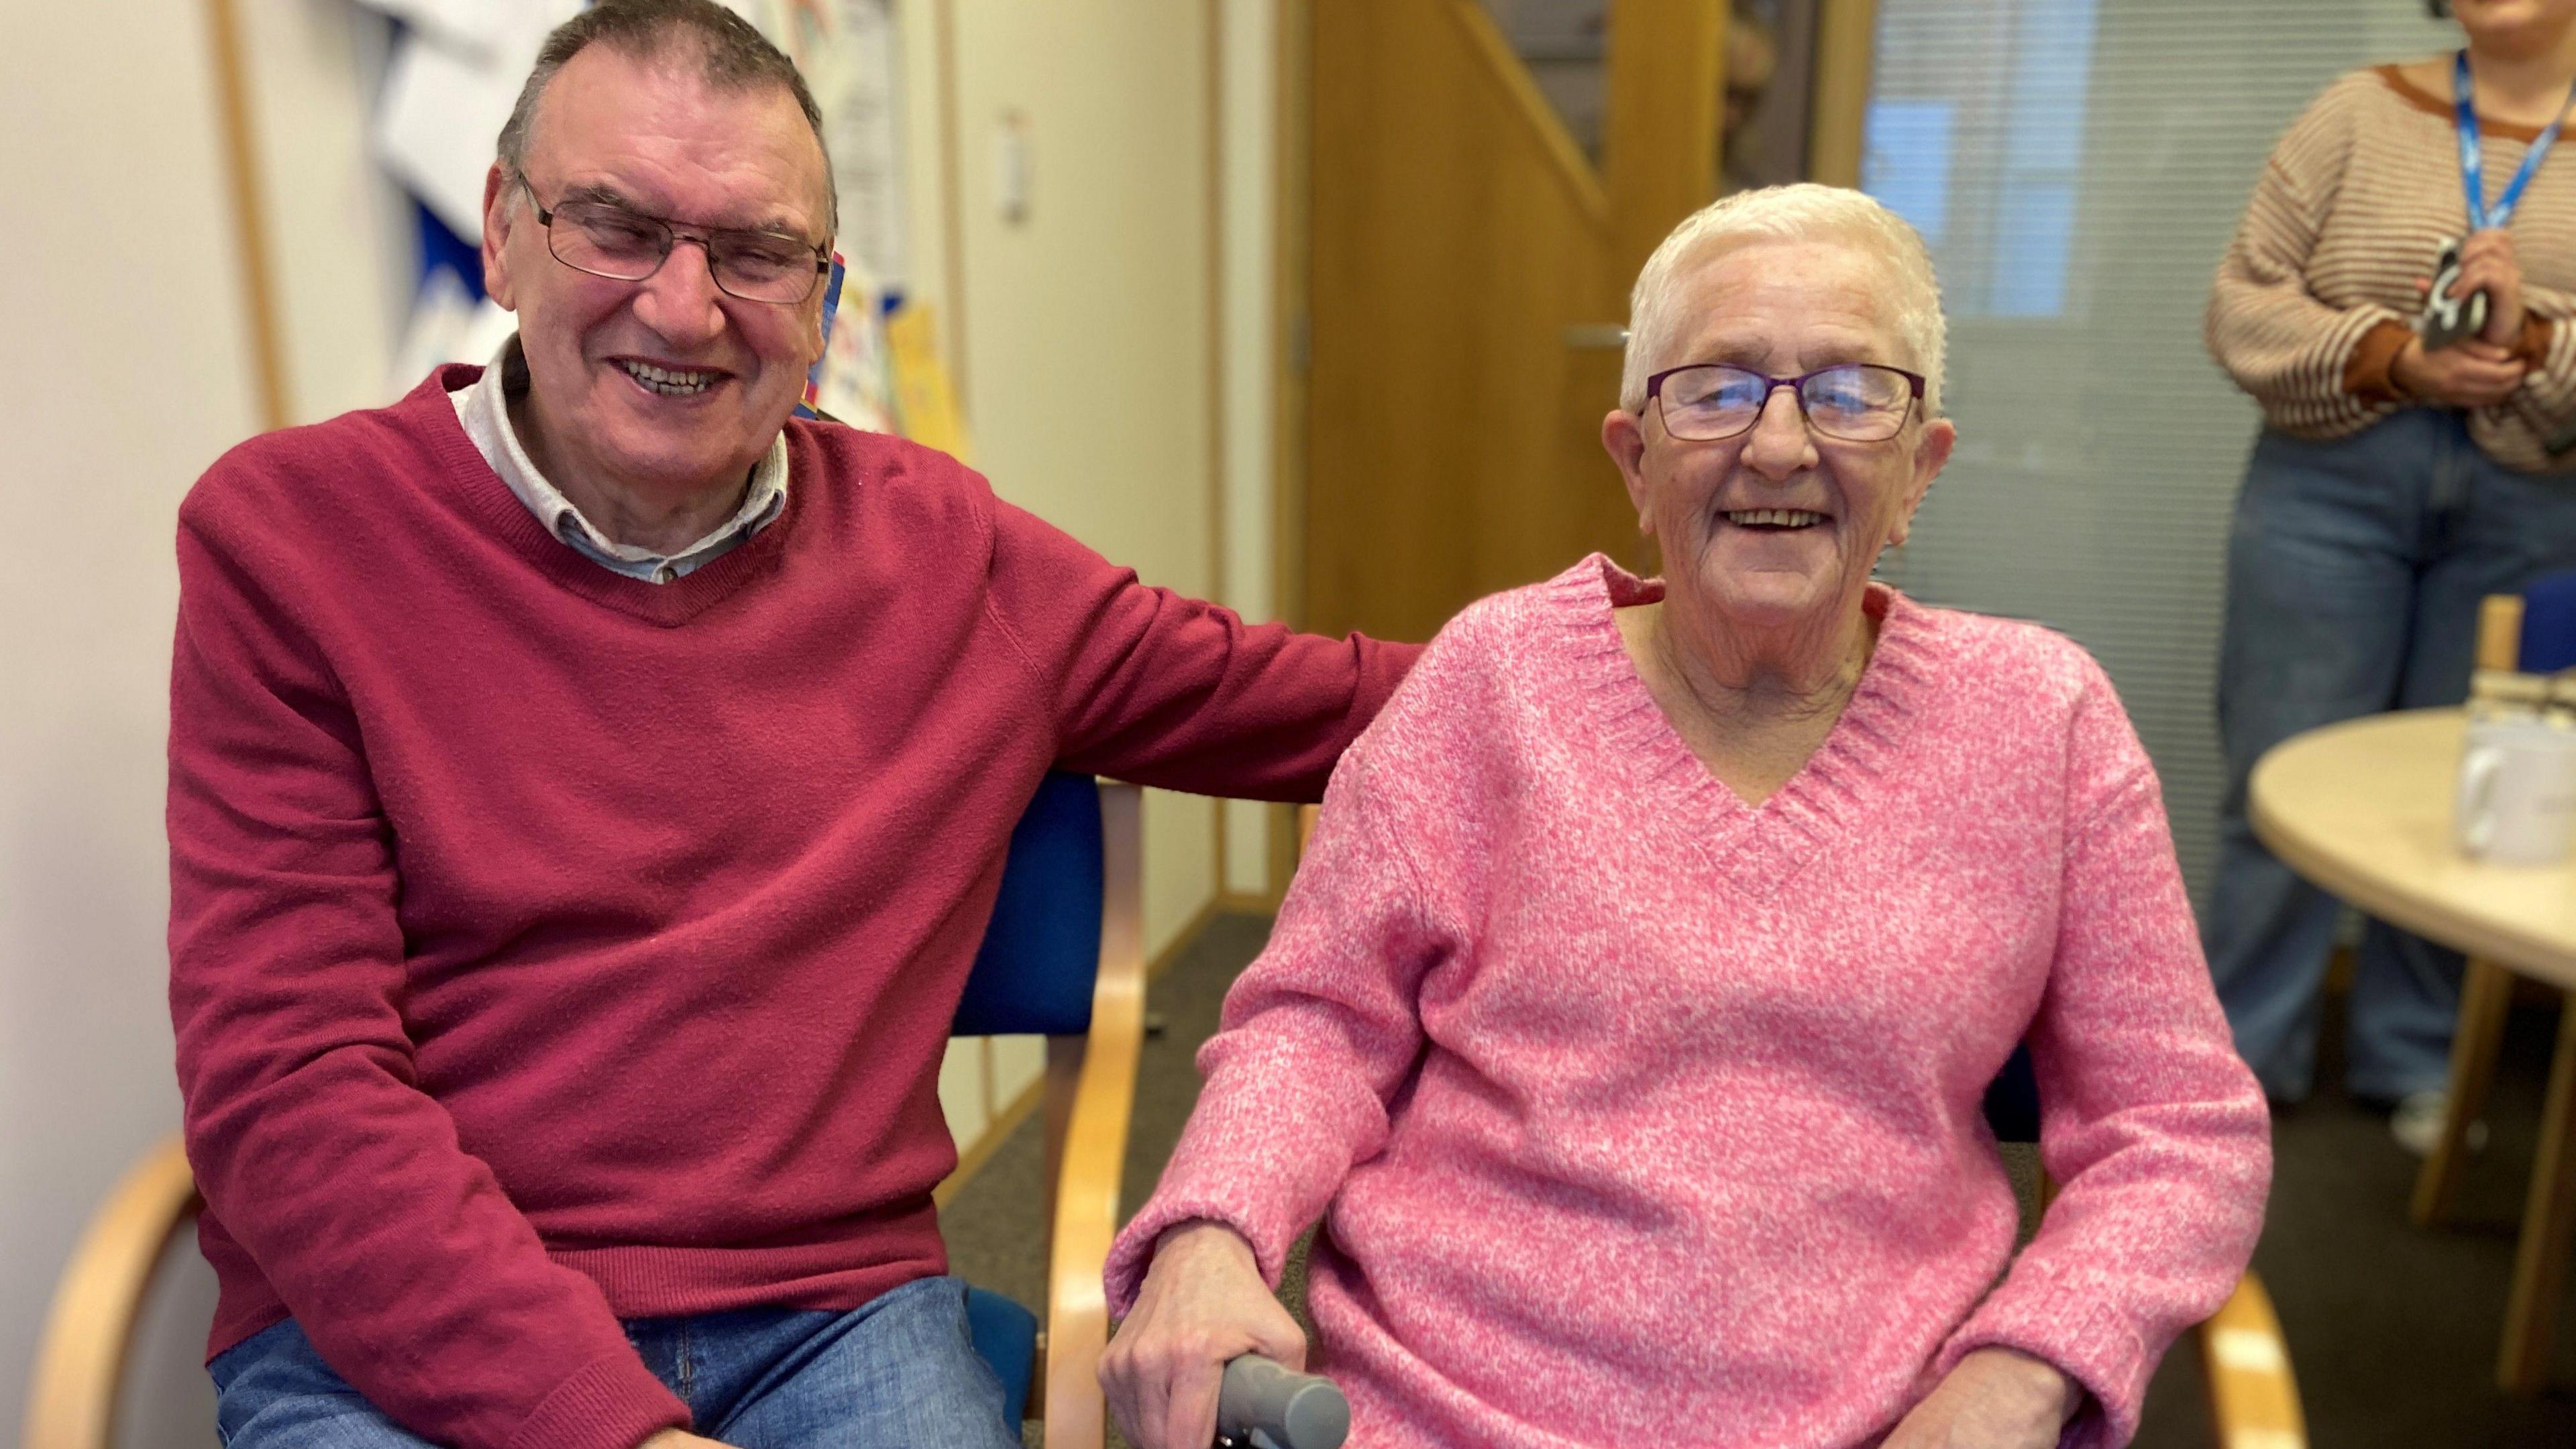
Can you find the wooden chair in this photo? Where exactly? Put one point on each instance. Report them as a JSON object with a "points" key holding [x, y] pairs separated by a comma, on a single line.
{"points": [[80, 1358], [2253, 1396], [1064, 957]]}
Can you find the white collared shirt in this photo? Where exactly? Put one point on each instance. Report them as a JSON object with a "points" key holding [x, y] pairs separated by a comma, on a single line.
{"points": [[484, 412]]}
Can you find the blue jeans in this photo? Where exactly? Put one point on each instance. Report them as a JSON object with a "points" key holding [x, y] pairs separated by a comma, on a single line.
{"points": [[898, 1373], [2353, 580]]}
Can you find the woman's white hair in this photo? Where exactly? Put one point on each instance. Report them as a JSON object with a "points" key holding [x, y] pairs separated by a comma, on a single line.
{"points": [[1803, 212]]}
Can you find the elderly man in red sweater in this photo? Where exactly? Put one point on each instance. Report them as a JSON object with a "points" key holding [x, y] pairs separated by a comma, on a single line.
{"points": [[587, 791]]}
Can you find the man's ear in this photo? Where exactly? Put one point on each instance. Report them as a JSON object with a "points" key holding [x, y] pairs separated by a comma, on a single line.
{"points": [[1623, 436], [1931, 455], [814, 338], [498, 214]]}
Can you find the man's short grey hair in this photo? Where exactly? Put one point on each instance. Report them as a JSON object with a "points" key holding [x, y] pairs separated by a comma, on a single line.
{"points": [[731, 55], [1803, 212]]}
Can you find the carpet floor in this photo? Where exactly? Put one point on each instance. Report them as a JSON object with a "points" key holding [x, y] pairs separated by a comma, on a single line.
{"points": [[2392, 1329]]}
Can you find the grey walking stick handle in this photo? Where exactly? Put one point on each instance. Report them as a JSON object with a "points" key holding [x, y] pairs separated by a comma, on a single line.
{"points": [[1262, 1404]]}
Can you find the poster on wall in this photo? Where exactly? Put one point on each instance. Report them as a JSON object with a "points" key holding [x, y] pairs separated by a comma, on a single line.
{"points": [[846, 50]]}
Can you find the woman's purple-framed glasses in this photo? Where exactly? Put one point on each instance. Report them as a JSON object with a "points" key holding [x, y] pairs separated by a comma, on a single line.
{"points": [[1858, 402]]}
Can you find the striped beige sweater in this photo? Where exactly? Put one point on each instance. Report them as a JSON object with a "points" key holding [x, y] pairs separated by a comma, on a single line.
{"points": [[2316, 295]]}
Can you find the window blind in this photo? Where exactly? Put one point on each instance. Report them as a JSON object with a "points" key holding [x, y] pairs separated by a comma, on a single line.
{"points": [[2077, 166]]}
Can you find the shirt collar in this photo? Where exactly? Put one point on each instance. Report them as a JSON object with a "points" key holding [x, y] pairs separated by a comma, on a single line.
{"points": [[484, 410]]}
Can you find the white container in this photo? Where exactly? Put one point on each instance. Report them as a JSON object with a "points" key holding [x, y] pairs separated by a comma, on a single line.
{"points": [[2517, 800]]}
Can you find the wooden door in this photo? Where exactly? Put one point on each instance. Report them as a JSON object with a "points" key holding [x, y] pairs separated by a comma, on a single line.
{"points": [[1466, 271]]}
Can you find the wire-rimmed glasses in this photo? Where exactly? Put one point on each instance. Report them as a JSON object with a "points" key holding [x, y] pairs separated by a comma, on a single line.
{"points": [[1858, 402], [620, 243]]}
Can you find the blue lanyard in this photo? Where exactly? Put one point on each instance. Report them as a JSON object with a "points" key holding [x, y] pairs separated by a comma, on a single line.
{"points": [[2473, 175]]}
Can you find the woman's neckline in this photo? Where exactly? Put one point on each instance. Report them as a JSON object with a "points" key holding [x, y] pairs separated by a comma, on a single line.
{"points": [[2434, 97], [1850, 750]]}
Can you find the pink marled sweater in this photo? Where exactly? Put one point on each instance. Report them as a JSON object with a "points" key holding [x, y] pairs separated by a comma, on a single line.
{"points": [[1644, 1117]]}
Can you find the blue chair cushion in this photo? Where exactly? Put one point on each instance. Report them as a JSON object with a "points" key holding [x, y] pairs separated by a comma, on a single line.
{"points": [[1006, 1336], [2549, 624], [1041, 952]]}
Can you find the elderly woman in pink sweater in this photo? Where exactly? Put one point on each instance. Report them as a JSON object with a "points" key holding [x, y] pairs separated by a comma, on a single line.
{"points": [[1629, 1021]]}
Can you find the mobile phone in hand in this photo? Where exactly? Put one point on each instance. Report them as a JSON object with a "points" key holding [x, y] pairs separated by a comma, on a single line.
{"points": [[2447, 319]]}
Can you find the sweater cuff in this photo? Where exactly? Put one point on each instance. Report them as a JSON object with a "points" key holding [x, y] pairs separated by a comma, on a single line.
{"points": [[2533, 345], [610, 1403], [2079, 1335], [2367, 374]]}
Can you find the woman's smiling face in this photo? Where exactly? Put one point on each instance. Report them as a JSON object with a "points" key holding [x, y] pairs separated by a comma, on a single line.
{"points": [[1779, 526]]}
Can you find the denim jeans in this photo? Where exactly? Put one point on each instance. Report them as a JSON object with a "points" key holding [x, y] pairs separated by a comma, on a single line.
{"points": [[2353, 579], [898, 1373]]}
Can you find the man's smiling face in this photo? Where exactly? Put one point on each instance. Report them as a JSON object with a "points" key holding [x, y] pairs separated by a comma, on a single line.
{"points": [[666, 388]]}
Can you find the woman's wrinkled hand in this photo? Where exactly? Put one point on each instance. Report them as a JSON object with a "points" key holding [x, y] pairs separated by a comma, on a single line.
{"points": [[1995, 1398], [1201, 1305], [2472, 374]]}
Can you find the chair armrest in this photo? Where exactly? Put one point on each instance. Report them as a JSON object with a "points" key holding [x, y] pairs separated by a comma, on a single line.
{"points": [[71, 1400], [1095, 1138], [2252, 1393]]}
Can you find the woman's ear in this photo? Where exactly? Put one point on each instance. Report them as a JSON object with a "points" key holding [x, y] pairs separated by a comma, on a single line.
{"points": [[1623, 436], [1931, 455]]}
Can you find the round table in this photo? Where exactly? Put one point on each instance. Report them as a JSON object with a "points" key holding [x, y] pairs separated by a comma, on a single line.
{"points": [[2363, 810]]}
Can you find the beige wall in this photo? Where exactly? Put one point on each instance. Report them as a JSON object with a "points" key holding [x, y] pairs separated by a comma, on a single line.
{"points": [[339, 234], [1086, 325], [1247, 261], [1082, 328], [122, 309], [1087, 372]]}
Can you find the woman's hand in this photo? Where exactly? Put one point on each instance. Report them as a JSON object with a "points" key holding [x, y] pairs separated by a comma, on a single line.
{"points": [[2472, 374], [1202, 1303], [678, 1439], [2488, 263], [1995, 1398]]}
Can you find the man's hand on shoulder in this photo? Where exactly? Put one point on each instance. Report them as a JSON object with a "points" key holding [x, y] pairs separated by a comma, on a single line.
{"points": [[678, 1439]]}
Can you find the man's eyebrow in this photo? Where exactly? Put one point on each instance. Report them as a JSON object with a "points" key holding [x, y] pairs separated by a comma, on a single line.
{"points": [[605, 195], [776, 223]]}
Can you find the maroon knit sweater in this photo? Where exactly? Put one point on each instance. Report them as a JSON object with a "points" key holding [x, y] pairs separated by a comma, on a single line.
{"points": [[550, 947]]}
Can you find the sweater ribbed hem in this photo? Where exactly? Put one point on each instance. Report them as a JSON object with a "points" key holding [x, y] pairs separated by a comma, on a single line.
{"points": [[610, 1403], [2080, 1334], [1133, 1253], [2370, 373], [655, 1282]]}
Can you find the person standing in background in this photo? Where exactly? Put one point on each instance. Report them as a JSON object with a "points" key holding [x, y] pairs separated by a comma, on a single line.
{"points": [[2396, 482]]}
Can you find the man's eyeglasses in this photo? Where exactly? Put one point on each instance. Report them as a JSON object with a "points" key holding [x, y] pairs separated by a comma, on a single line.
{"points": [[608, 240], [1858, 402]]}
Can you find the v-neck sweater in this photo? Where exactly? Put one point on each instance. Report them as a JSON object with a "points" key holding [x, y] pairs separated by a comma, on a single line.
{"points": [[551, 947], [1639, 1115]]}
